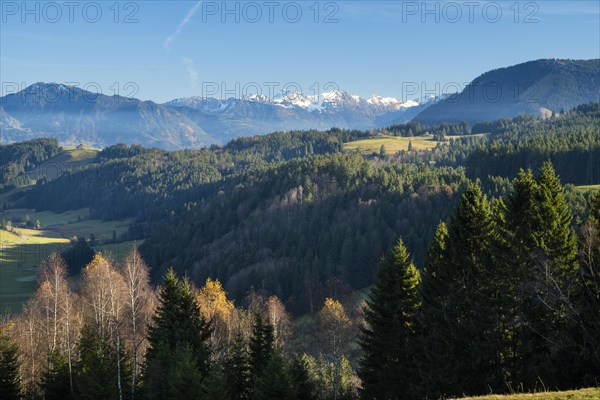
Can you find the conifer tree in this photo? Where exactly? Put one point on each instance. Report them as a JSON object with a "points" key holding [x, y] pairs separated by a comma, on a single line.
{"points": [[261, 344], [215, 386], [237, 370], [10, 386], [303, 386], [555, 236], [470, 338], [274, 381], [390, 315], [56, 383], [183, 378], [536, 253], [434, 360], [95, 377], [515, 254], [178, 326], [588, 302]]}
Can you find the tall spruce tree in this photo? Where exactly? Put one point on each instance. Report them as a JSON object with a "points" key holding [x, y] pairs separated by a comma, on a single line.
{"points": [[274, 381], [56, 382], [470, 336], [390, 315], [215, 386], [515, 254], [95, 376], [183, 379], [304, 388], [10, 385], [262, 344], [434, 361], [178, 326], [555, 236], [237, 370], [537, 251]]}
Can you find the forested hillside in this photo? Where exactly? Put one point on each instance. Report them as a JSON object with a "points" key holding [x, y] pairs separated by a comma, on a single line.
{"points": [[18, 157], [536, 87], [571, 142], [507, 301], [287, 212]]}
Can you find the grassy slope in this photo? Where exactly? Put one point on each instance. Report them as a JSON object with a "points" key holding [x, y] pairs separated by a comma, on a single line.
{"points": [[394, 144], [64, 162], [23, 251], [583, 394], [587, 188], [20, 254]]}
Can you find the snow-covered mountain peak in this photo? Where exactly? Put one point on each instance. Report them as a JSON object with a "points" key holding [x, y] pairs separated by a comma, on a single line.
{"points": [[329, 101]]}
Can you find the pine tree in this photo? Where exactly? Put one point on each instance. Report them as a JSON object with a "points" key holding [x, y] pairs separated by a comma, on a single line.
{"points": [[261, 345], [469, 337], [515, 254], [536, 253], [390, 315], [303, 386], [183, 377], [555, 236], [10, 385], [274, 381], [95, 377], [237, 370], [177, 325], [56, 383], [215, 386], [433, 362]]}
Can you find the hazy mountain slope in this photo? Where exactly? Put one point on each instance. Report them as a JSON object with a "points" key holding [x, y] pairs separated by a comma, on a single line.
{"points": [[527, 88], [75, 116]]}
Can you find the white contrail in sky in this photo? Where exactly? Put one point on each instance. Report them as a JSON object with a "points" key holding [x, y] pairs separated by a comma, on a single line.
{"points": [[183, 23]]}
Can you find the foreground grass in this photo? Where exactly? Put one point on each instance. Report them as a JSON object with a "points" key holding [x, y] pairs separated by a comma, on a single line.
{"points": [[583, 394]]}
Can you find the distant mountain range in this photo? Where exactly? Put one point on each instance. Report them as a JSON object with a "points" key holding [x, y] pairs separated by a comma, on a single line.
{"points": [[74, 116], [255, 115]]}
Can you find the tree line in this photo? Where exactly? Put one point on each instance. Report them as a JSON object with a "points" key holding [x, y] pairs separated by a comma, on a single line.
{"points": [[507, 301]]}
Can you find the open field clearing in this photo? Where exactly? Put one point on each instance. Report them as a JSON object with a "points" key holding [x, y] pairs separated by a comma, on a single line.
{"points": [[20, 255], [587, 188], [23, 250], [394, 144], [118, 251], [69, 160]]}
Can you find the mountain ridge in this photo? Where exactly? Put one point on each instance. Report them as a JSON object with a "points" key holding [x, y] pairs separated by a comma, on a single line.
{"points": [[535, 87]]}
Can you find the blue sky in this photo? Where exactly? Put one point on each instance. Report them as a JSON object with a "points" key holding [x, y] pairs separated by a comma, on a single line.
{"points": [[160, 50]]}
